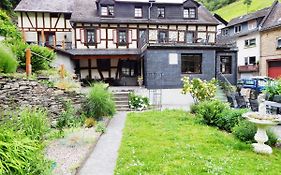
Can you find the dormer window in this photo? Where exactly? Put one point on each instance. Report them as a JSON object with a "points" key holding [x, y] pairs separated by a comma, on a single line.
{"points": [[161, 12], [138, 12], [237, 29], [252, 25], [107, 10], [189, 13]]}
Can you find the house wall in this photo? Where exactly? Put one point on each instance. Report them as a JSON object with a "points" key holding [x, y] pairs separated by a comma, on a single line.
{"points": [[268, 48], [159, 73], [106, 34], [248, 51], [32, 23], [62, 59]]}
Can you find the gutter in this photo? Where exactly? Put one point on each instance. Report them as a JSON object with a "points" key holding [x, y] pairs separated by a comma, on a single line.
{"points": [[149, 9]]}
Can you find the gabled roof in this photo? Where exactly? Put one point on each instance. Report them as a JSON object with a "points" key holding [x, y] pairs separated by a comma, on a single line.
{"points": [[273, 19], [220, 19], [86, 11], [55, 6], [251, 16]]}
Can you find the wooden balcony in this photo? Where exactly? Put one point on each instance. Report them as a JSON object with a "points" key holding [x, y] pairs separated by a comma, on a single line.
{"points": [[248, 68]]}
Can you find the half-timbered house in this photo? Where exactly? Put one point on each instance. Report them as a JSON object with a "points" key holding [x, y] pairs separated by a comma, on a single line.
{"points": [[118, 41]]}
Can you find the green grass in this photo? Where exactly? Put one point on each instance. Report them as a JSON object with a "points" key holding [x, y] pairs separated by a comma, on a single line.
{"points": [[238, 8], [171, 142]]}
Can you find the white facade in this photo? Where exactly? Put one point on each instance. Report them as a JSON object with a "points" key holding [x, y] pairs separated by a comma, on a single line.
{"points": [[246, 53]]}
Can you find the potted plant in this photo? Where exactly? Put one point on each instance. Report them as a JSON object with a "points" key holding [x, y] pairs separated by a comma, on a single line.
{"points": [[273, 91]]}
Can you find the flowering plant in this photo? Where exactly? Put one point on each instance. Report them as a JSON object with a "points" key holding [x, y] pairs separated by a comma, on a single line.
{"points": [[200, 90], [137, 102]]}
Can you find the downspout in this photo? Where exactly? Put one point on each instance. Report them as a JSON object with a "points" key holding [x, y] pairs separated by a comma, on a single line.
{"points": [[149, 8]]}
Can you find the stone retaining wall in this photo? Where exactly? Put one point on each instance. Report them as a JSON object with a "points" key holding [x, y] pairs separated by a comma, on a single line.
{"points": [[17, 92]]}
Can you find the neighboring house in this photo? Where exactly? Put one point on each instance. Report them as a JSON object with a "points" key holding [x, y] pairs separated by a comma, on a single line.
{"points": [[243, 32], [222, 23], [118, 41], [271, 43]]}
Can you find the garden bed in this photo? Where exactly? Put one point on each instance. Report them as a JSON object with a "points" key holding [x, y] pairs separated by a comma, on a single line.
{"points": [[172, 142]]}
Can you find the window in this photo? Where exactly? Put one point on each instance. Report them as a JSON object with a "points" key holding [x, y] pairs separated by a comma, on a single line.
{"points": [[250, 60], [237, 29], [225, 32], [91, 37], [225, 64], [107, 10], [250, 42], [279, 43], [189, 37], [163, 36], [191, 63], [122, 37], [252, 25], [161, 12], [138, 12], [189, 13]]}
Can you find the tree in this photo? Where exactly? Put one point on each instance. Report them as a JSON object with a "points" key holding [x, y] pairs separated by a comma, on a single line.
{"points": [[247, 3]]}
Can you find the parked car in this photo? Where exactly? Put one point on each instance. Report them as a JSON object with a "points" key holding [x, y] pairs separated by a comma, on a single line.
{"points": [[256, 84]]}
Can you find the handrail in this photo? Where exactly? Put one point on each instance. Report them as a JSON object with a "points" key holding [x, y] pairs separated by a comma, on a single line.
{"points": [[221, 74]]}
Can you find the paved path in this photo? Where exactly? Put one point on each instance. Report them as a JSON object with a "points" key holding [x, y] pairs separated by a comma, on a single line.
{"points": [[103, 159]]}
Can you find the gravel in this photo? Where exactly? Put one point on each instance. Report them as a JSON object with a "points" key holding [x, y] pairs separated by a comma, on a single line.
{"points": [[69, 152]]}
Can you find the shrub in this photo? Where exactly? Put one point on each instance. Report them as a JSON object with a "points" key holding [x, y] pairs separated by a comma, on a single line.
{"points": [[90, 122], [39, 63], [8, 62], [230, 118], [68, 118], [100, 127], [20, 155], [245, 131], [138, 102], [200, 90], [33, 123], [209, 112], [99, 102]]}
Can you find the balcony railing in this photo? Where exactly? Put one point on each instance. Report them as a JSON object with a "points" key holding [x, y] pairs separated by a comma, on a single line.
{"points": [[248, 68]]}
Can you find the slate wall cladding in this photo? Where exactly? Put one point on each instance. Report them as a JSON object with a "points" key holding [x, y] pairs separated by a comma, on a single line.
{"points": [[160, 74], [16, 92]]}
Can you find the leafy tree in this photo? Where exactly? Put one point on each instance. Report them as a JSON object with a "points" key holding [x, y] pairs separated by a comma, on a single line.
{"points": [[247, 3]]}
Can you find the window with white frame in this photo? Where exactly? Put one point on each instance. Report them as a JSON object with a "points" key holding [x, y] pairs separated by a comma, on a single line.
{"points": [[107, 10], [252, 25], [122, 37], [225, 32], [250, 42], [279, 43], [237, 29], [161, 12], [250, 60], [138, 12], [189, 13]]}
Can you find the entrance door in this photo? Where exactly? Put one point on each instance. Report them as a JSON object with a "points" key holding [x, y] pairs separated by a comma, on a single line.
{"points": [[274, 69]]}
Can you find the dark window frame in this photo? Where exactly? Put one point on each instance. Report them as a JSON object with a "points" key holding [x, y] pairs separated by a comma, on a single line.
{"points": [[137, 7], [166, 39], [161, 11], [193, 38], [226, 64], [87, 37], [188, 64], [109, 8], [126, 42], [189, 13]]}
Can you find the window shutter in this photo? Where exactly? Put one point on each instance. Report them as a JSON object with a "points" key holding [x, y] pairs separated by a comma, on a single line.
{"points": [[130, 35], [115, 36], [98, 36], [83, 35]]}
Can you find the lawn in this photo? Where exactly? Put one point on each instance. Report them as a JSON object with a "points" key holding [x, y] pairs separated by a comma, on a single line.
{"points": [[238, 8], [172, 142]]}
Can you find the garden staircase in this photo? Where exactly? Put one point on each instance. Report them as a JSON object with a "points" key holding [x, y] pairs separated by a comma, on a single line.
{"points": [[121, 98], [220, 95]]}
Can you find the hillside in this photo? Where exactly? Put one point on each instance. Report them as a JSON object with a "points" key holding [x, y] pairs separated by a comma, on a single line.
{"points": [[238, 8]]}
